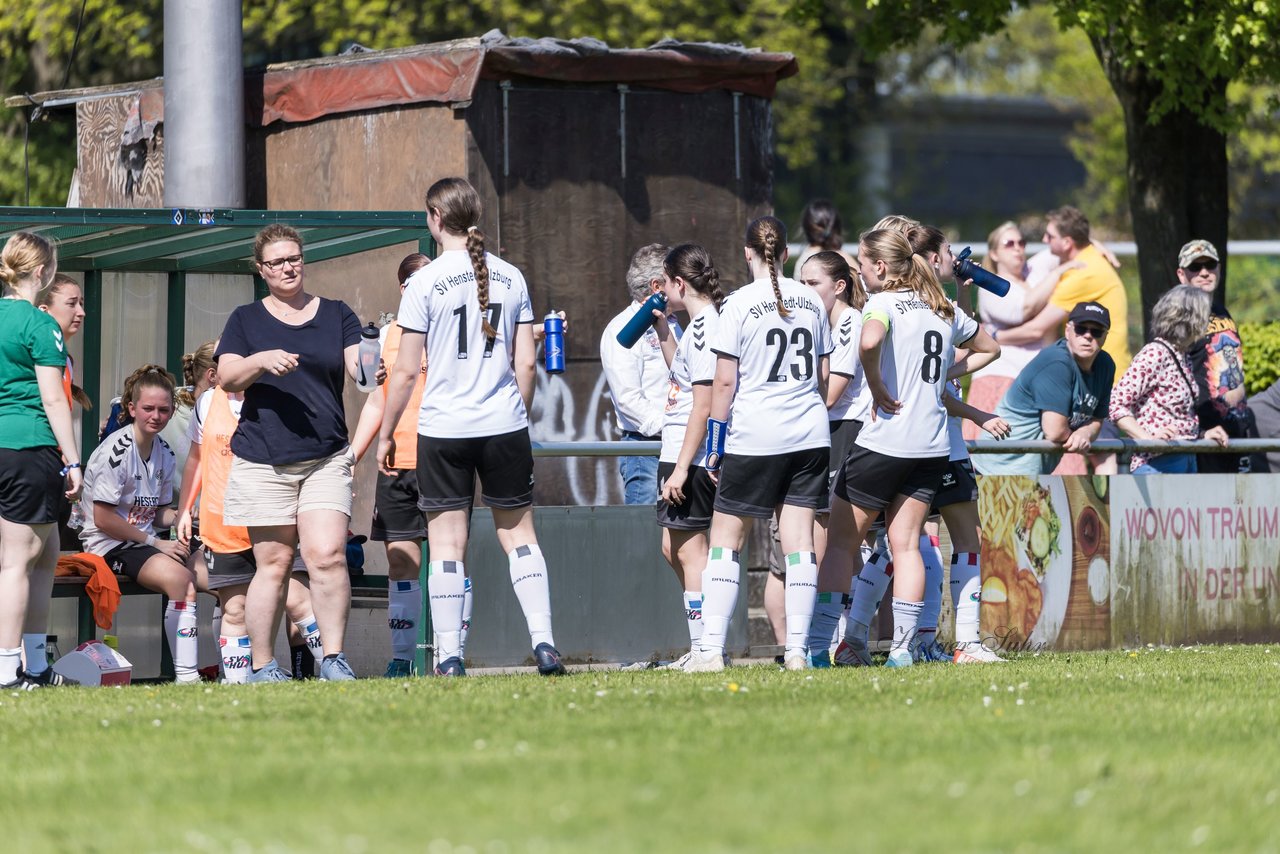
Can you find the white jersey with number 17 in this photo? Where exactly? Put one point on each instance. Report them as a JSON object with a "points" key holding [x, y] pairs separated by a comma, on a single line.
{"points": [[777, 407], [471, 387], [918, 349]]}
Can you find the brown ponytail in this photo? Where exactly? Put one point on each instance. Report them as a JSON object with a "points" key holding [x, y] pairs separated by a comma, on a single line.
{"points": [[458, 205], [147, 376], [693, 264], [195, 365], [767, 237], [905, 270]]}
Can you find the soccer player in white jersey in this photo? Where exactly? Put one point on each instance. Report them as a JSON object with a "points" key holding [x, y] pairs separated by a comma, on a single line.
{"points": [[957, 497], [909, 333], [843, 298], [686, 493], [471, 311], [768, 439], [128, 487]]}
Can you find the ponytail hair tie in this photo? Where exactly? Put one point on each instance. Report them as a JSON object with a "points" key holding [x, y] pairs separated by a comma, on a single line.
{"points": [[472, 228]]}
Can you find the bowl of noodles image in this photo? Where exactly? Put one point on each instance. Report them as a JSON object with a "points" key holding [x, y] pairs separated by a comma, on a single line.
{"points": [[1026, 557]]}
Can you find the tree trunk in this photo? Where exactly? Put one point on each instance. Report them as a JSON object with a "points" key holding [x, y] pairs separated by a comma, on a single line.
{"points": [[1177, 179]]}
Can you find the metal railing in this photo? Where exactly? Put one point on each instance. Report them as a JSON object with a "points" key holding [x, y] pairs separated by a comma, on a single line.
{"points": [[982, 446]]}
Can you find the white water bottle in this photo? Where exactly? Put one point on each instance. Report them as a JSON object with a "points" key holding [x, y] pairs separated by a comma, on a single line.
{"points": [[367, 361]]}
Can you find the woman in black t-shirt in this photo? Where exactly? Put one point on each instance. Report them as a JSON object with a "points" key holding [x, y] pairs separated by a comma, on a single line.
{"points": [[291, 477]]}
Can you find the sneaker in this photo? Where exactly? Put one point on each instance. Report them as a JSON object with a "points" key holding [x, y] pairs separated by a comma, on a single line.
{"points": [[678, 664], [796, 661], [47, 679], [820, 660], [451, 667], [848, 655], [637, 666], [335, 669], [899, 658], [548, 658], [271, 673], [931, 651], [398, 668], [704, 662], [975, 653]]}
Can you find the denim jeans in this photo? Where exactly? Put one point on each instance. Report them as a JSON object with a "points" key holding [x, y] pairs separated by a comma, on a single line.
{"points": [[639, 474], [1168, 464]]}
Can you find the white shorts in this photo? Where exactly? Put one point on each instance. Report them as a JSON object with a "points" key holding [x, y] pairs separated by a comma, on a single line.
{"points": [[259, 495]]}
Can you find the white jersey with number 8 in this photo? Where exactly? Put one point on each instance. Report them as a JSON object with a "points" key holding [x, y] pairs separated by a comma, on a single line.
{"points": [[919, 348], [471, 388], [777, 408]]}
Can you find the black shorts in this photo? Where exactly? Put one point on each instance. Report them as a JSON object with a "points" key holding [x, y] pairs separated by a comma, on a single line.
{"points": [[447, 470], [396, 517], [128, 559], [31, 485], [959, 486], [228, 570], [754, 486], [694, 513], [872, 480]]}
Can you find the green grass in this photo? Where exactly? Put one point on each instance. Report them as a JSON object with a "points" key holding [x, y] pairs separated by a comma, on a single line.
{"points": [[1154, 750]]}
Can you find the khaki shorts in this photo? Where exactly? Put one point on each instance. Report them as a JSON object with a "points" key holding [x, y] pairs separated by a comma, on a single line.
{"points": [[259, 495]]}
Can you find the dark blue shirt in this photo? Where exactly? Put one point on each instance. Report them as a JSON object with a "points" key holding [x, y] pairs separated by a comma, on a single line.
{"points": [[299, 416]]}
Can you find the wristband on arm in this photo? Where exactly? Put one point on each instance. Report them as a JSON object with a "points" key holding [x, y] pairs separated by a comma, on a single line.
{"points": [[716, 433]]}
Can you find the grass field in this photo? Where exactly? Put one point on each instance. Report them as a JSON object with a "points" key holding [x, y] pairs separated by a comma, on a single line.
{"points": [[1132, 751]]}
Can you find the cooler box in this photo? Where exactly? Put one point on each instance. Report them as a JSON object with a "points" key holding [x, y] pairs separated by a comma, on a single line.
{"points": [[95, 663]]}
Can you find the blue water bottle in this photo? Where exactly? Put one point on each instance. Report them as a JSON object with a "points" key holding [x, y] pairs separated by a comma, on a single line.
{"points": [[640, 322], [553, 344]]}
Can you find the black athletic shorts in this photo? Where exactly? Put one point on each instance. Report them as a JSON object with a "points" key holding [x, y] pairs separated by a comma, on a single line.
{"points": [[396, 517], [228, 570], [872, 480], [31, 485], [128, 558], [959, 486], [694, 513], [754, 486], [447, 470]]}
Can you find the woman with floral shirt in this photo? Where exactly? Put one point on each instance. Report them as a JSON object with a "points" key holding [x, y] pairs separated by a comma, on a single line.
{"points": [[1156, 397]]}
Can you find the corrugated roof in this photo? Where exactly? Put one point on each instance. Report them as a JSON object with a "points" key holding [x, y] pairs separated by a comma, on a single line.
{"points": [[204, 241]]}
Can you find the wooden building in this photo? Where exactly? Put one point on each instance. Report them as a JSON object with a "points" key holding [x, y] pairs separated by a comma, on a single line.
{"points": [[581, 154]]}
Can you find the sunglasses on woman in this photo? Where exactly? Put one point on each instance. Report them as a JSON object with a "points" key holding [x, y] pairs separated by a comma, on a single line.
{"points": [[1010, 243]]}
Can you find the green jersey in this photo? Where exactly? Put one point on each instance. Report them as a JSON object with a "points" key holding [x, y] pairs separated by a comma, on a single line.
{"points": [[28, 338]]}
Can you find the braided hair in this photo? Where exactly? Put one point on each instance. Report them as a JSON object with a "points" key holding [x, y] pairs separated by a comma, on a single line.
{"points": [[458, 205], [693, 264], [767, 237]]}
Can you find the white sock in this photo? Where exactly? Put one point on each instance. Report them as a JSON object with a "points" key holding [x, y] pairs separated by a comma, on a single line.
{"points": [[182, 632], [693, 617], [801, 595], [869, 587], [310, 631], [826, 620], [966, 594], [236, 658], [404, 610], [10, 661], [719, 595], [906, 616], [446, 587], [467, 600], [933, 579], [529, 580], [35, 652]]}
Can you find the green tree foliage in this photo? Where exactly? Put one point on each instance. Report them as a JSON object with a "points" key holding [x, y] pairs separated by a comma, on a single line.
{"points": [[123, 41]]}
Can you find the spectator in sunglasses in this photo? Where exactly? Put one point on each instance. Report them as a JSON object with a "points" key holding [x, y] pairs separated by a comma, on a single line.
{"points": [[1062, 395], [1217, 361]]}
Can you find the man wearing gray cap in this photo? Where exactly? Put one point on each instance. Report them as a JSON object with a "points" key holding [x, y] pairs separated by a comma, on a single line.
{"points": [[1216, 361]]}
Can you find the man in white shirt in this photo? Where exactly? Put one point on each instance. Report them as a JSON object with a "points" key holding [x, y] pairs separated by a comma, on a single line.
{"points": [[638, 378]]}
